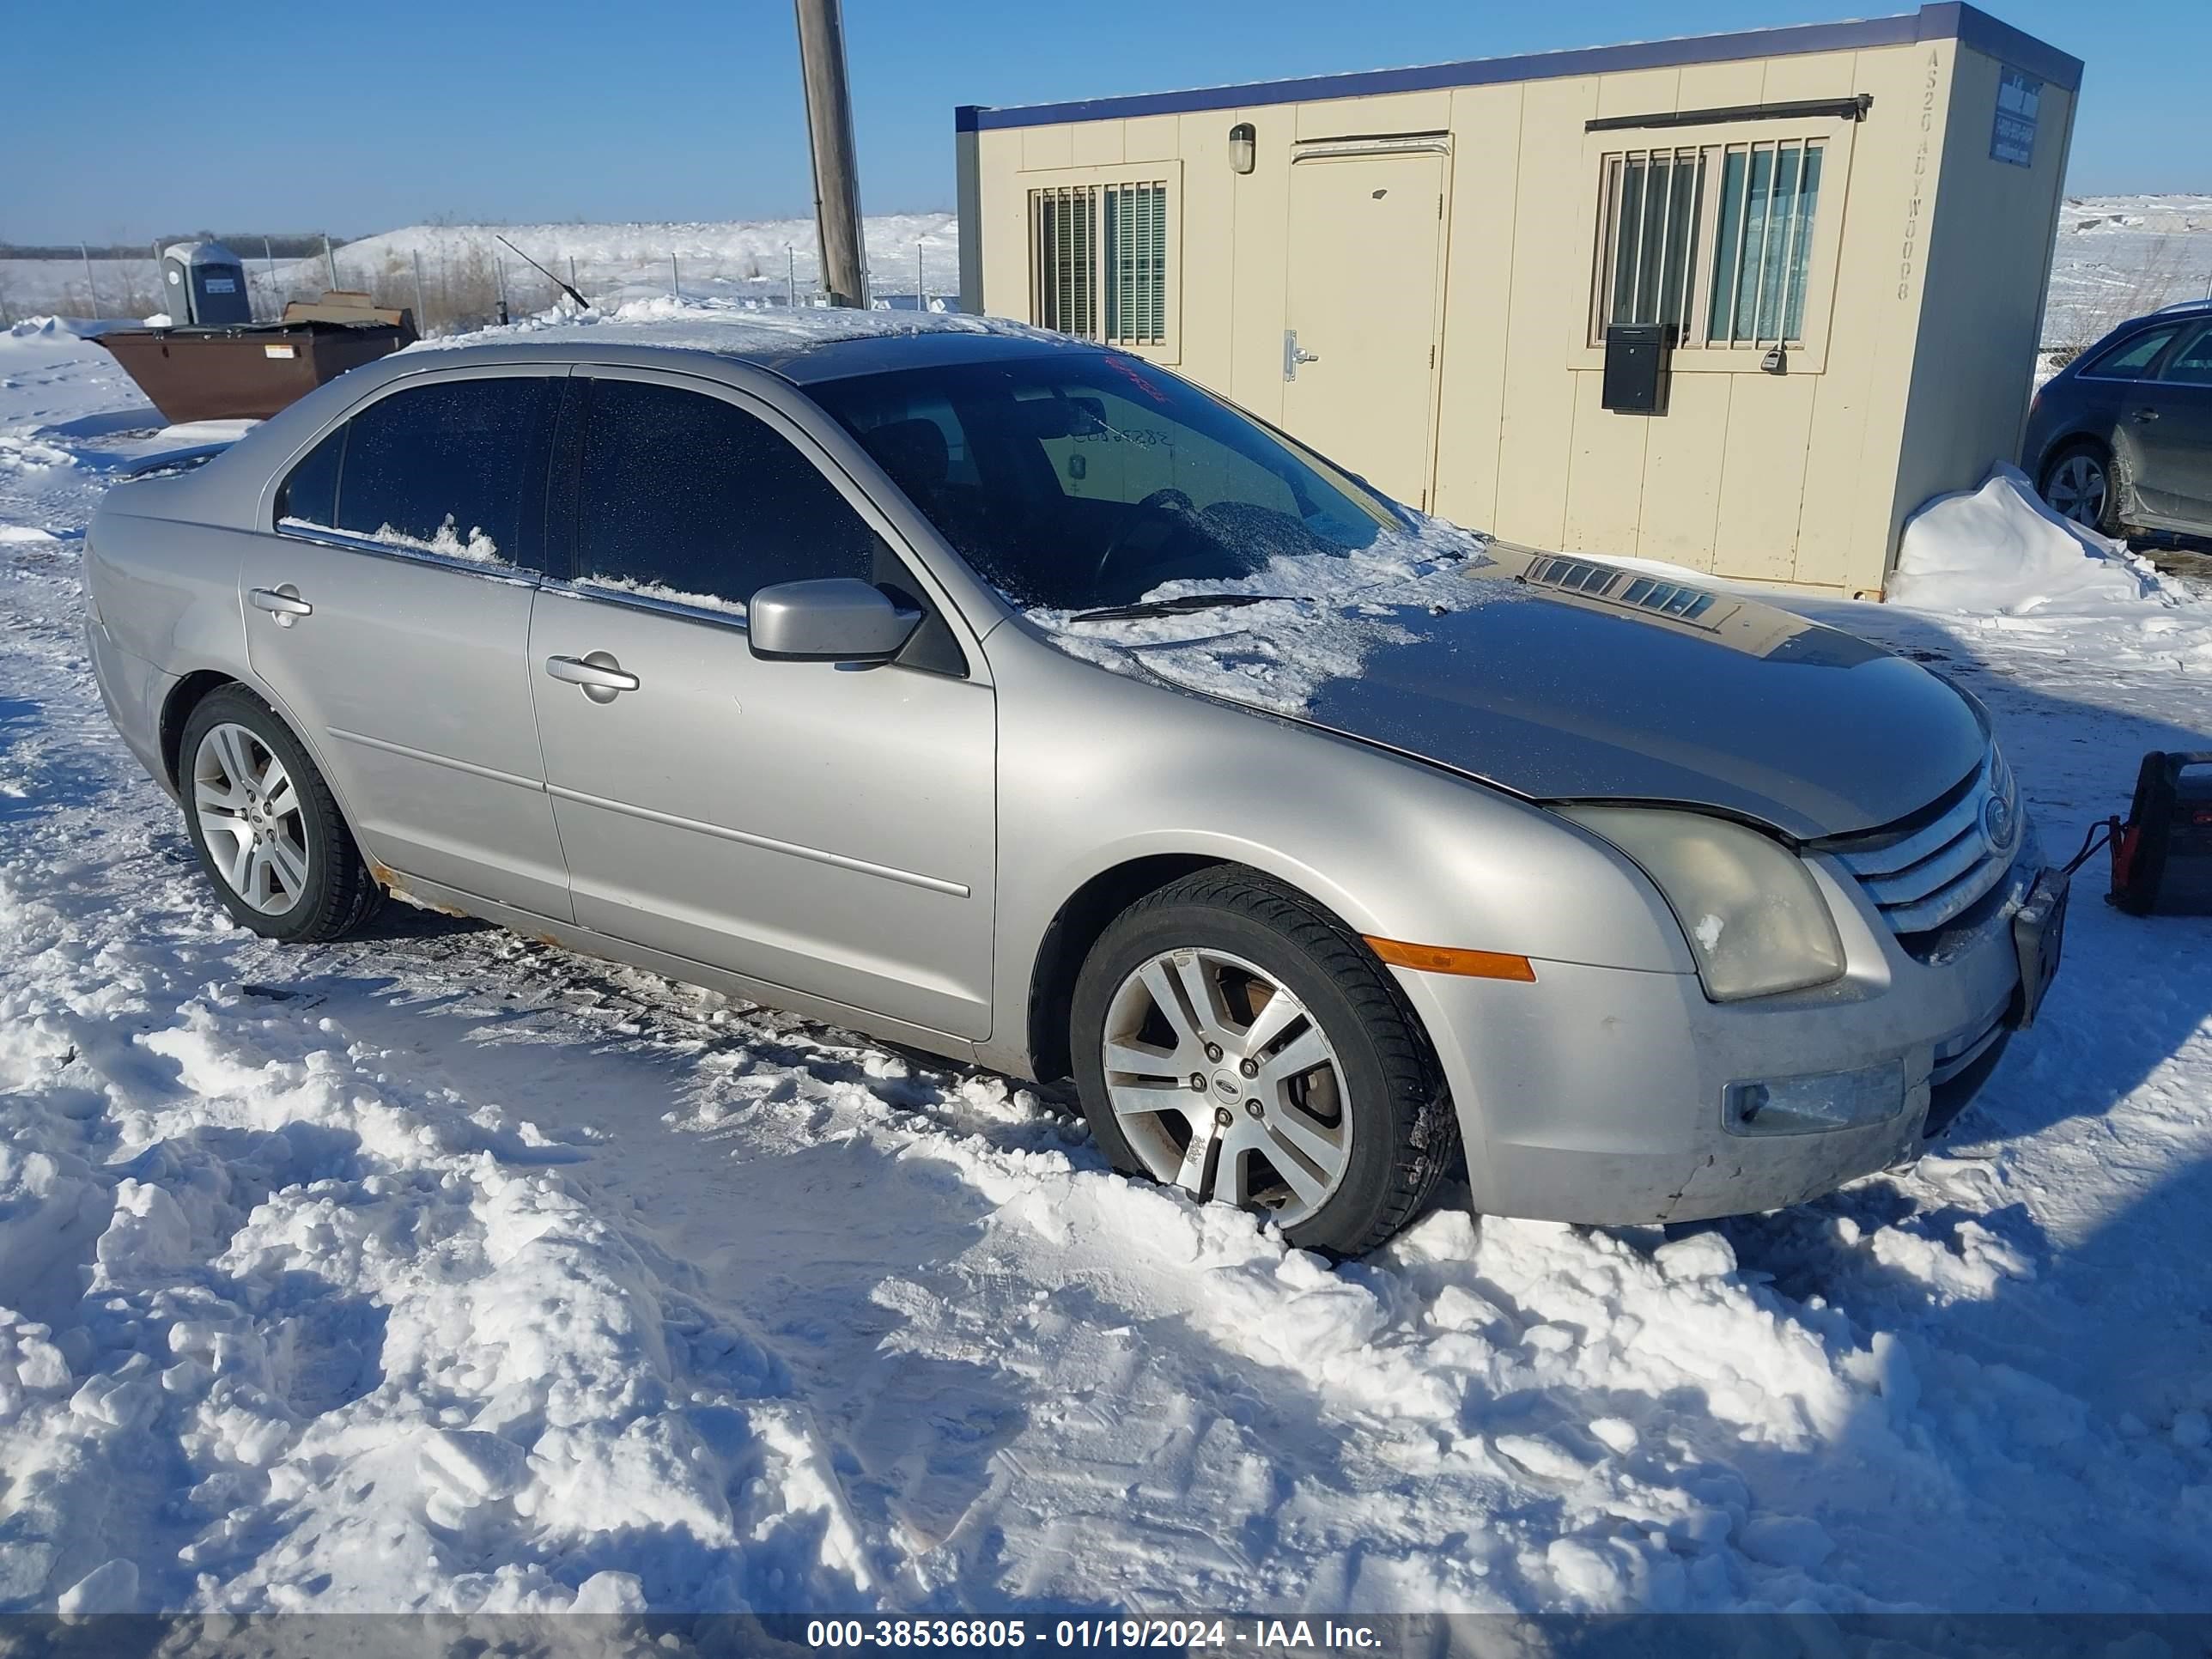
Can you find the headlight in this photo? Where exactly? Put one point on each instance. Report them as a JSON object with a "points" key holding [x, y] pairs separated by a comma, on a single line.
{"points": [[1755, 921]]}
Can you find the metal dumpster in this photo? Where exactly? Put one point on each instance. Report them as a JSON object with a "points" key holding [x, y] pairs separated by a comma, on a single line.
{"points": [[251, 371]]}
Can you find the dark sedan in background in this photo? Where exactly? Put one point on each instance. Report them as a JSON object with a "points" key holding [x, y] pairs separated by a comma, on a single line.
{"points": [[2121, 438]]}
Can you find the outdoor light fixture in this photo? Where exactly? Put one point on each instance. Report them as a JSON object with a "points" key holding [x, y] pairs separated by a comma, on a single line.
{"points": [[1243, 144]]}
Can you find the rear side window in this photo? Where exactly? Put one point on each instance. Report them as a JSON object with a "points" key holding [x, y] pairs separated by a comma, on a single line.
{"points": [[457, 469], [691, 499], [310, 494], [2132, 358]]}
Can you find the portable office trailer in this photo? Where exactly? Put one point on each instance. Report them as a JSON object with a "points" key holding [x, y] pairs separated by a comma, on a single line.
{"points": [[1844, 232]]}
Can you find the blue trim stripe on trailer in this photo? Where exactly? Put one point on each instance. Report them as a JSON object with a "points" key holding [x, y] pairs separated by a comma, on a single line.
{"points": [[1949, 22]]}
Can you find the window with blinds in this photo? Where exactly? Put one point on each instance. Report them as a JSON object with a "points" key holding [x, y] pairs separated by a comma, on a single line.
{"points": [[1653, 201], [1768, 196], [1099, 261], [1716, 240]]}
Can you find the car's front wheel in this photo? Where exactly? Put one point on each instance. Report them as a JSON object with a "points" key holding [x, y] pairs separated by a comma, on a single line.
{"points": [[267, 829], [1232, 1038], [2079, 484]]}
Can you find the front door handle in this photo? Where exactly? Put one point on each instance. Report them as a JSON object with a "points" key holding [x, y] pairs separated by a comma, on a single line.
{"points": [[601, 676], [283, 603], [2146, 415]]}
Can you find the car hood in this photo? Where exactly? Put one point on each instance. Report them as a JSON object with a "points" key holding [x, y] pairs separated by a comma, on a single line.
{"points": [[1568, 679]]}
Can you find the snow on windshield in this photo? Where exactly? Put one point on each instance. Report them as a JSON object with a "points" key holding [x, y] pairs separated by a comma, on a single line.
{"points": [[1334, 610]]}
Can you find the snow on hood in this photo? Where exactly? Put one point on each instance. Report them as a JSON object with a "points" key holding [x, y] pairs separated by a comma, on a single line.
{"points": [[1564, 677], [2001, 550]]}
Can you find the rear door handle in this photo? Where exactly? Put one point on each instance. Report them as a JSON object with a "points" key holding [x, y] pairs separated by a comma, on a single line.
{"points": [[600, 676], [283, 602], [2146, 415]]}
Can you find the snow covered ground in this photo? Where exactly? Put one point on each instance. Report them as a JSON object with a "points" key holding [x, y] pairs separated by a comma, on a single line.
{"points": [[444, 1270]]}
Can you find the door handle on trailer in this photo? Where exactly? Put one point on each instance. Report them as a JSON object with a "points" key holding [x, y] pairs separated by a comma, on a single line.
{"points": [[600, 676], [283, 603]]}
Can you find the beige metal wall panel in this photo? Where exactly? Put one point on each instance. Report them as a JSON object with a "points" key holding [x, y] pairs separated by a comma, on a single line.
{"points": [[1006, 238], [1604, 473], [1682, 458], [1762, 479], [1047, 147], [1208, 211], [1845, 526], [967, 174], [1095, 143], [1989, 253], [1151, 137], [1807, 75], [1721, 86], [1639, 92], [1485, 123], [1261, 264], [1549, 308], [1397, 112]]}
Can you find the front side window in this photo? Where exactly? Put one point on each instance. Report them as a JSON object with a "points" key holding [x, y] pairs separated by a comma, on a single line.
{"points": [[2192, 364], [454, 469], [1716, 240], [687, 498], [1099, 261], [1086, 478]]}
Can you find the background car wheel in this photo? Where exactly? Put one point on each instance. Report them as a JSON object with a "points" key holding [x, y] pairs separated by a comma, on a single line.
{"points": [[1232, 1038], [266, 826], [2079, 484]]}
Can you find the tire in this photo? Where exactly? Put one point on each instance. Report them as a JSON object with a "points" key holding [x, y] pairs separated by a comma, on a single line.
{"points": [[1365, 1134], [2081, 467], [288, 868]]}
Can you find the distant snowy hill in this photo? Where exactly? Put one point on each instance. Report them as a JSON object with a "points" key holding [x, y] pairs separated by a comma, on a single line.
{"points": [[2116, 257]]}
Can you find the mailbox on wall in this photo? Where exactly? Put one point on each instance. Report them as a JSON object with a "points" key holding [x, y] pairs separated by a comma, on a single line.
{"points": [[1638, 356]]}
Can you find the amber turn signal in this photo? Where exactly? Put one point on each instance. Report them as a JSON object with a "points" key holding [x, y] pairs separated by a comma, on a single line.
{"points": [[1436, 959]]}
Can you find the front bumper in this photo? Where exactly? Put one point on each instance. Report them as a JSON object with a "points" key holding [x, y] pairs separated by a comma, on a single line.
{"points": [[1597, 1094]]}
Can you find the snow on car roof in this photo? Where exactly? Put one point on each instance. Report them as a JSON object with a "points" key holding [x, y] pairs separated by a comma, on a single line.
{"points": [[794, 342]]}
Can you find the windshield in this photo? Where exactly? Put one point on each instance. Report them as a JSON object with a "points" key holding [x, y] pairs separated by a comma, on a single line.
{"points": [[1079, 479]]}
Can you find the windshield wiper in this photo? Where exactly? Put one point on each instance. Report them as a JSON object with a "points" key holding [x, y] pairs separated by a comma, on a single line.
{"points": [[1173, 607]]}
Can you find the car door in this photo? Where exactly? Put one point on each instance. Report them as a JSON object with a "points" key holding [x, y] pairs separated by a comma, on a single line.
{"points": [[823, 827], [387, 611], [2170, 417]]}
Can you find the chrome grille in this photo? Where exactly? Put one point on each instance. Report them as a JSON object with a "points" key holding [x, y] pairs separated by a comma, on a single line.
{"points": [[1920, 878]]}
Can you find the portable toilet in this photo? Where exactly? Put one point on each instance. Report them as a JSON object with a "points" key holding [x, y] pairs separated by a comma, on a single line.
{"points": [[205, 284]]}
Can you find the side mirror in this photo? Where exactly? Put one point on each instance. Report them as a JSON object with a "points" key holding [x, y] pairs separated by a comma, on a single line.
{"points": [[834, 619]]}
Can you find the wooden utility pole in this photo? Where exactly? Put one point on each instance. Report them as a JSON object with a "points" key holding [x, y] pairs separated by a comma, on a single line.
{"points": [[829, 131]]}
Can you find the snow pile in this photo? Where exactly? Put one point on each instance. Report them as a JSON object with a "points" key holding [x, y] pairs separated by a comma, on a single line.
{"points": [[2002, 548]]}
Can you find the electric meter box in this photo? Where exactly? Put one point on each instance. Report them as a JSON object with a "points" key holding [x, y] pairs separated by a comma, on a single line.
{"points": [[203, 285]]}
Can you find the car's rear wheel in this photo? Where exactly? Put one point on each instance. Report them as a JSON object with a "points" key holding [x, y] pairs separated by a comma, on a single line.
{"points": [[1232, 1038], [2079, 484], [266, 827]]}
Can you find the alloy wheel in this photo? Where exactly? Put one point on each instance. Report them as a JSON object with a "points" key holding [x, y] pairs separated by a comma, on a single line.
{"points": [[249, 818], [1224, 1083], [2076, 490]]}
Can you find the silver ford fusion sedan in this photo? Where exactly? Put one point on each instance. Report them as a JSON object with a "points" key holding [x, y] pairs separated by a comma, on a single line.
{"points": [[1015, 700]]}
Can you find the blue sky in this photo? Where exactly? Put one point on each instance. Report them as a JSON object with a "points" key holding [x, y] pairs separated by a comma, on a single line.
{"points": [[119, 121]]}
